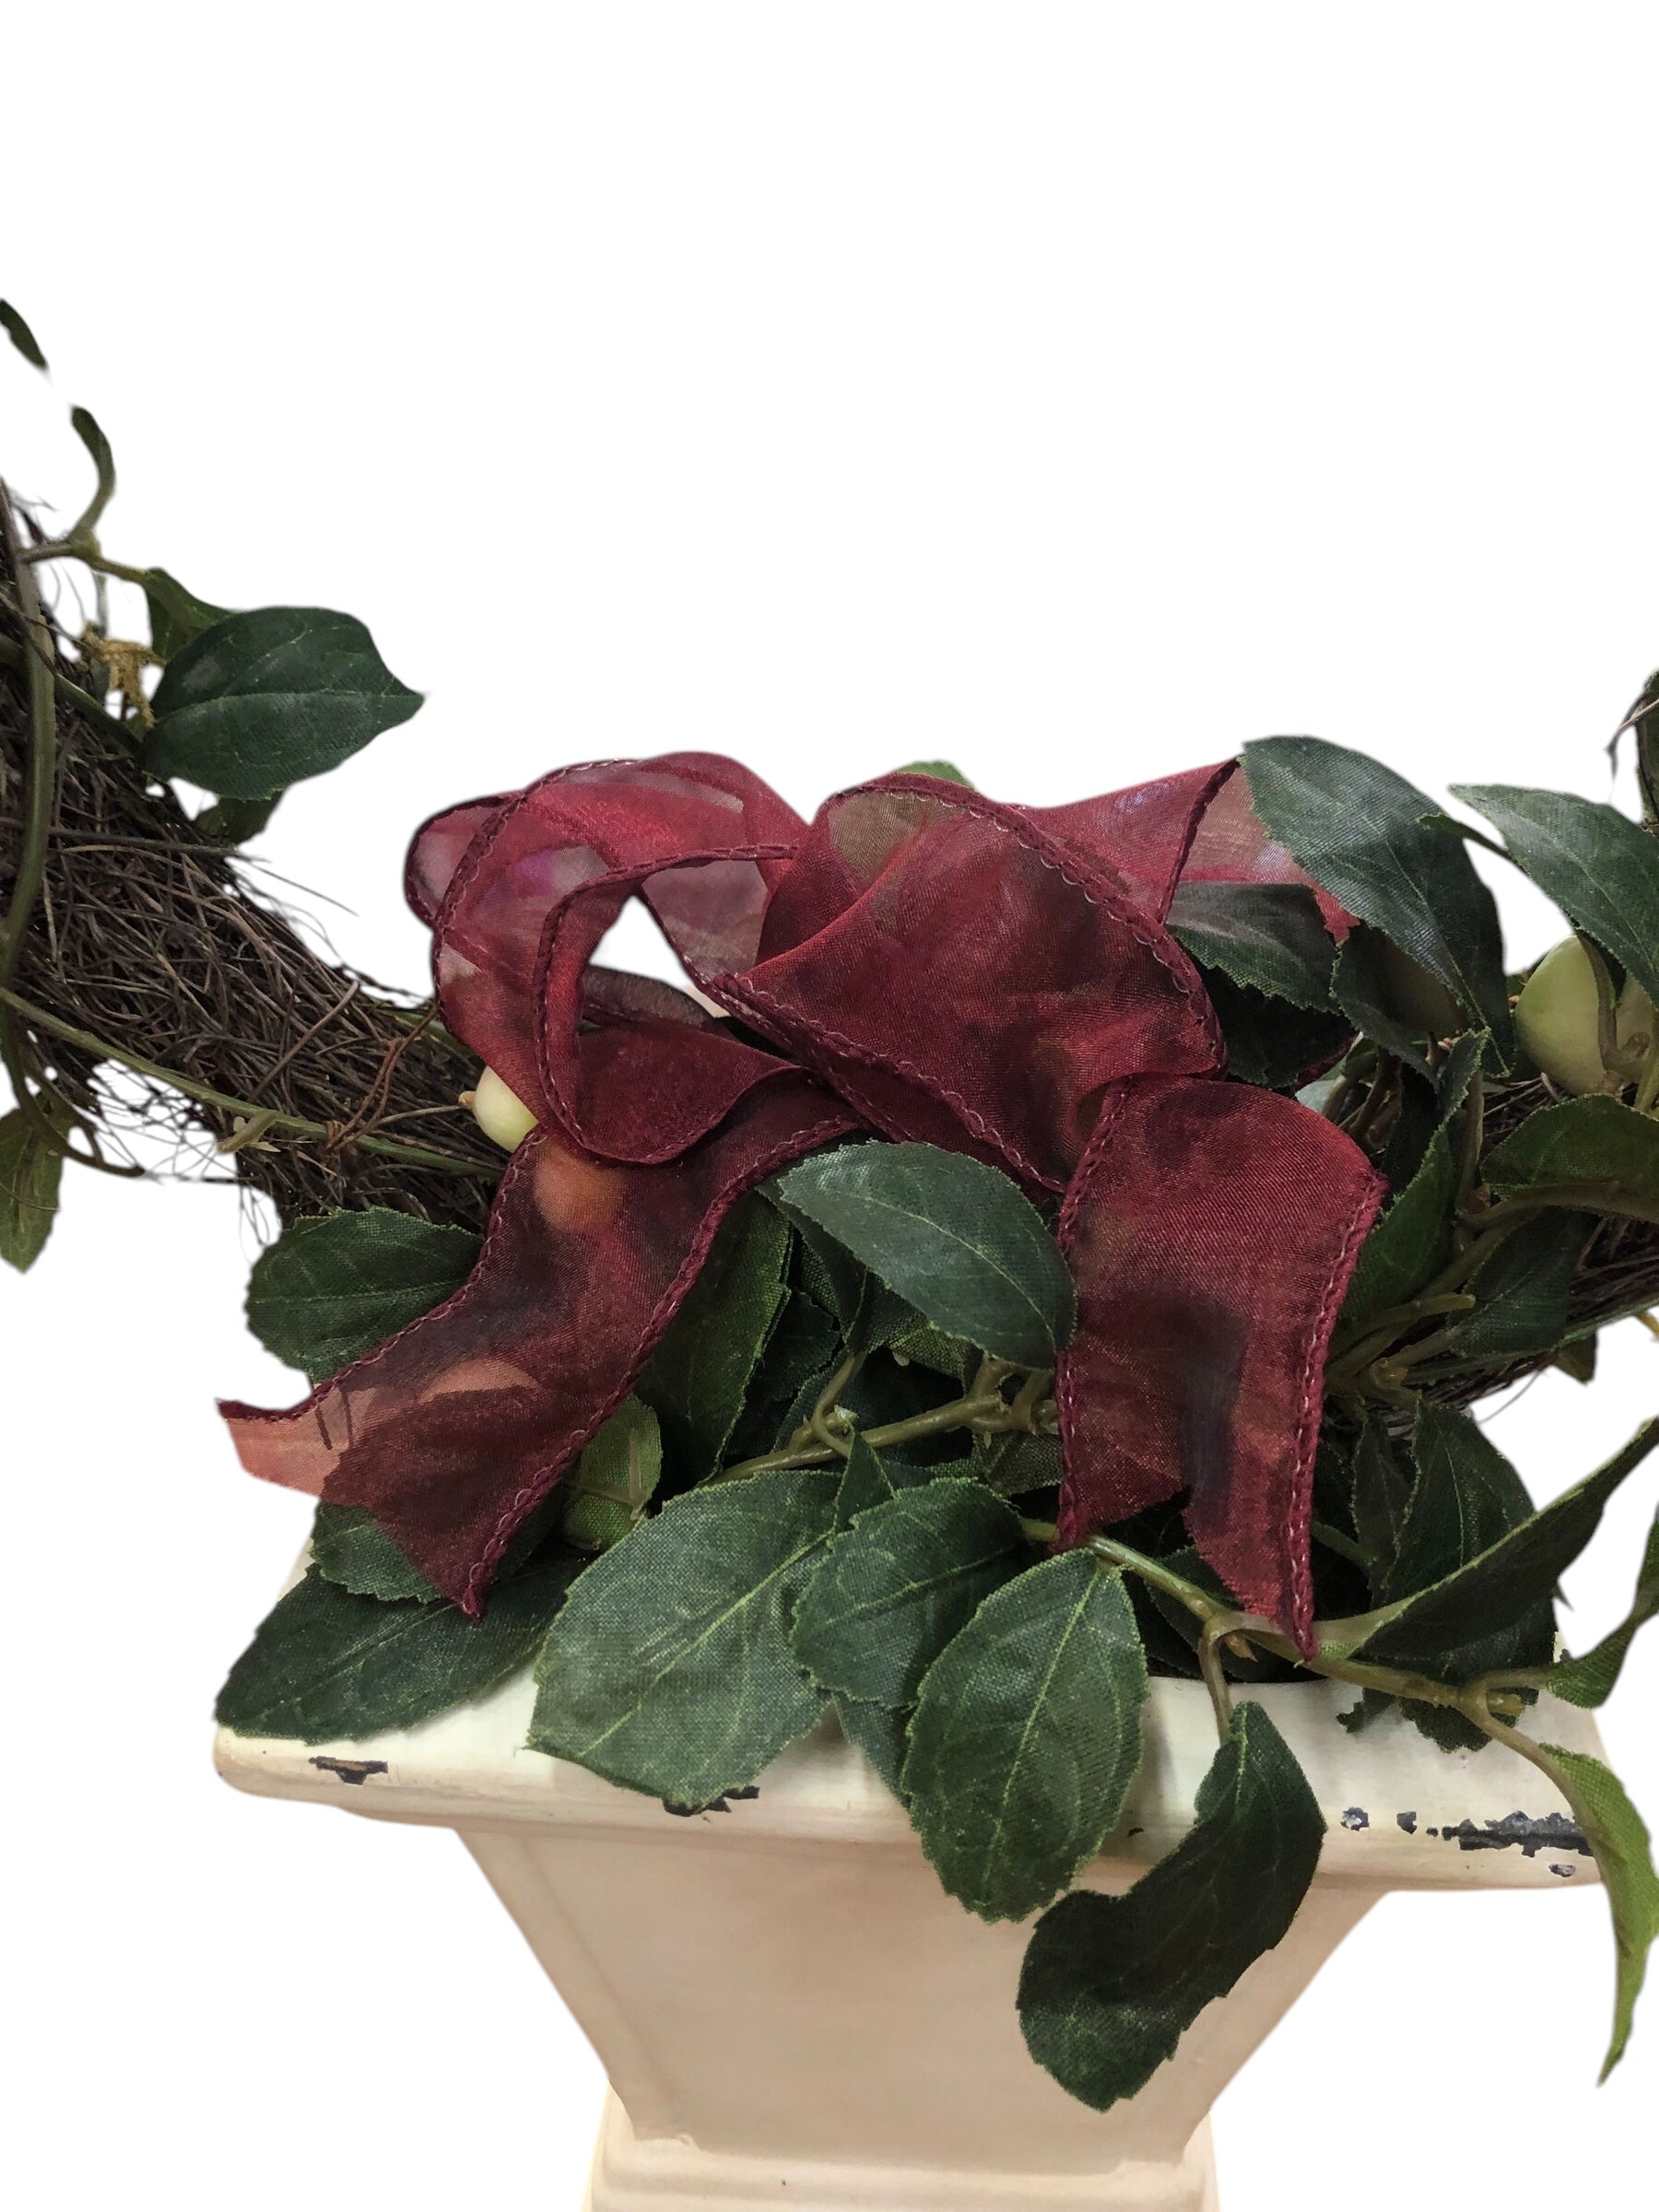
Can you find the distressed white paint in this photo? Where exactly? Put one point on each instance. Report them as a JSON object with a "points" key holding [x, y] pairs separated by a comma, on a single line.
{"points": [[791, 2011]]}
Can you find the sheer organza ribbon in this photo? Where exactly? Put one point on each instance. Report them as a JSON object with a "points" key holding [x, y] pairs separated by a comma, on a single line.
{"points": [[919, 961]]}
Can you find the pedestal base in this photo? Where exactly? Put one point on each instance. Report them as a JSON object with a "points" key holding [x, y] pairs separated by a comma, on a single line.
{"points": [[666, 2174]]}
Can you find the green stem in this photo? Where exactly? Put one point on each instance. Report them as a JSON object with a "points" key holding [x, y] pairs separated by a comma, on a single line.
{"points": [[414, 1155], [1215, 1679], [171, 596], [987, 1414]]}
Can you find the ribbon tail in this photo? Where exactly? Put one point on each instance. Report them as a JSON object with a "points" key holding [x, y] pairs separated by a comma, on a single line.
{"points": [[455, 1430], [1212, 1228]]}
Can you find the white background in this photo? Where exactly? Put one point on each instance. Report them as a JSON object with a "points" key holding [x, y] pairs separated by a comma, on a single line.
{"points": [[1076, 392]]}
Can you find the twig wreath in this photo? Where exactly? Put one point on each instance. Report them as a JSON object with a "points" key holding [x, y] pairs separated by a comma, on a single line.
{"points": [[1043, 1247]]}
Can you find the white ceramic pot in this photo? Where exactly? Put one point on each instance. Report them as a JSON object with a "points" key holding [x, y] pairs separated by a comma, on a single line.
{"points": [[792, 2012]]}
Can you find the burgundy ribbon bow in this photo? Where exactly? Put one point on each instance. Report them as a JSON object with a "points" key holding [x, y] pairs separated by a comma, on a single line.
{"points": [[918, 961]]}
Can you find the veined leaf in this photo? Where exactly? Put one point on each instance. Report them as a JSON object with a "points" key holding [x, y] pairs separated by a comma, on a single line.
{"points": [[670, 1670], [1524, 1291], [1269, 1042], [954, 1237], [605, 1494], [335, 1286], [1111, 1985], [349, 1548], [1604, 1152], [870, 1480], [30, 1173], [880, 1733], [1357, 828], [1598, 866], [904, 1579], [1027, 1736], [1500, 1586], [326, 1664], [263, 700], [1615, 1833], [1412, 1241], [176, 616], [1590, 1680], [700, 1375], [1381, 1497], [1269, 936]]}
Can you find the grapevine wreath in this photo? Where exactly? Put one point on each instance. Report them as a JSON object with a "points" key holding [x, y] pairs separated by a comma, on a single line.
{"points": [[1043, 1247]]}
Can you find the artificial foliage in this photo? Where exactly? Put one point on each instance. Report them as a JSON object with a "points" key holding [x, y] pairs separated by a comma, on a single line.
{"points": [[1042, 1249]]}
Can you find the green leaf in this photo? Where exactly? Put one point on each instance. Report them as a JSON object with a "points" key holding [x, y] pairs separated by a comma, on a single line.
{"points": [[1615, 1833], [1411, 1244], [882, 1734], [1381, 1498], [1524, 1289], [954, 1237], [1603, 1153], [670, 1670], [870, 1479], [349, 1548], [1598, 866], [605, 1494], [1590, 1680], [335, 1286], [1500, 1586], [1027, 1736], [176, 616], [1111, 1985], [31, 1171], [907, 1576], [1270, 1043], [326, 1664], [700, 1375], [1357, 829], [1465, 1497], [944, 770], [1269, 936], [263, 700], [1367, 985], [235, 821], [21, 336]]}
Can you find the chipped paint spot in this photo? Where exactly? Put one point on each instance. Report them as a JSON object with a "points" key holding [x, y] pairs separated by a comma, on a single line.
{"points": [[1407, 1821], [1531, 1833], [1355, 1818], [1566, 1873], [355, 1770]]}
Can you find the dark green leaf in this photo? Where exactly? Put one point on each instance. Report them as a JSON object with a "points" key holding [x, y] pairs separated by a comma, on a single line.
{"points": [[905, 1578], [1382, 1497], [30, 1174], [1111, 1984], [327, 1664], [1604, 1151], [1367, 984], [235, 821], [1357, 828], [1502, 1586], [954, 1237], [1524, 1289], [21, 336], [176, 616], [1615, 1833], [1012, 1464], [1270, 1043], [1027, 1736], [882, 1734], [1269, 936], [1590, 1680], [1411, 1244], [605, 1494], [263, 700], [335, 1286], [670, 1670], [870, 1480], [700, 1375], [1598, 866], [350, 1546]]}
